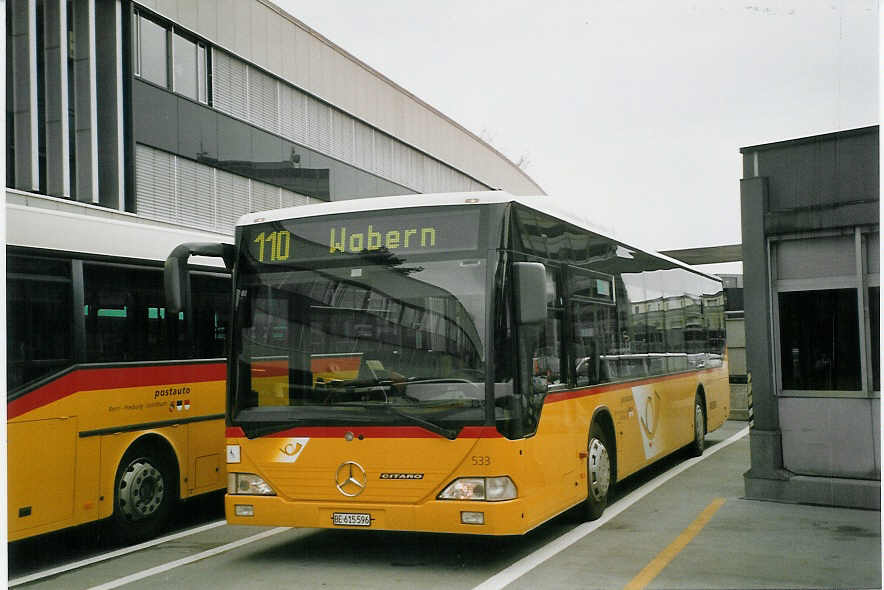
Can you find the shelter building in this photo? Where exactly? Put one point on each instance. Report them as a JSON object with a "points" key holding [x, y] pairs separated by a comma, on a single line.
{"points": [[811, 244]]}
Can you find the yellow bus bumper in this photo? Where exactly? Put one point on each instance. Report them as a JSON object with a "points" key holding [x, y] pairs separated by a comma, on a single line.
{"points": [[437, 516]]}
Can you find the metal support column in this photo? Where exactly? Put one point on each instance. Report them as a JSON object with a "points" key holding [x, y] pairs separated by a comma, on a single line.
{"points": [[85, 107], [109, 66], [58, 174], [23, 37]]}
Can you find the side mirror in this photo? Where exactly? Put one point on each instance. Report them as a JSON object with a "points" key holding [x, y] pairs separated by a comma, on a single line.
{"points": [[175, 270], [530, 282]]}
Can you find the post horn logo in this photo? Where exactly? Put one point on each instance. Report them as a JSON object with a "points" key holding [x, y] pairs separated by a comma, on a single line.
{"points": [[650, 415], [292, 449], [351, 479]]}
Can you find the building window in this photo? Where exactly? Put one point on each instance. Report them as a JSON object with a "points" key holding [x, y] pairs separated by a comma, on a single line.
{"points": [[151, 51], [189, 59], [201, 73], [819, 340], [152, 59]]}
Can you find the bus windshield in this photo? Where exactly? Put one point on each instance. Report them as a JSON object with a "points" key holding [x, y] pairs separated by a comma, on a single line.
{"points": [[364, 343]]}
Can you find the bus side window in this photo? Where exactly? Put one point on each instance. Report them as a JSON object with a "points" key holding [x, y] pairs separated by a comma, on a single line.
{"points": [[211, 311], [594, 337], [125, 316], [552, 349], [39, 324], [543, 343]]}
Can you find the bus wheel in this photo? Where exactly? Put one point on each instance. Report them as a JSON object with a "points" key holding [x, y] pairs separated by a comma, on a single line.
{"points": [[699, 443], [598, 472], [144, 491]]}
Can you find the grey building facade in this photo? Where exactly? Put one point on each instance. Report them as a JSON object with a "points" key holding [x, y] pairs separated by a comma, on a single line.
{"points": [[810, 226], [195, 112]]}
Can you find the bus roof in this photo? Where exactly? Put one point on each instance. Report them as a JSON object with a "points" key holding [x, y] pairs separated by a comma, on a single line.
{"points": [[542, 204]]}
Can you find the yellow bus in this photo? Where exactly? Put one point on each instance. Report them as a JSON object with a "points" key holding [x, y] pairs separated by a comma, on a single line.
{"points": [[461, 363], [115, 408]]}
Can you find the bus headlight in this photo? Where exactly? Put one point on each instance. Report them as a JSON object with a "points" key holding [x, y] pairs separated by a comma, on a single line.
{"points": [[488, 489], [248, 484]]}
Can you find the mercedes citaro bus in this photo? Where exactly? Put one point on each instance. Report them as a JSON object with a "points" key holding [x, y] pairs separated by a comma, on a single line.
{"points": [[463, 363]]}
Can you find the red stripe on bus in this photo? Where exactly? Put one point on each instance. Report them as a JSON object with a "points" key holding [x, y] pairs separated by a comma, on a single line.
{"points": [[113, 378], [369, 432]]}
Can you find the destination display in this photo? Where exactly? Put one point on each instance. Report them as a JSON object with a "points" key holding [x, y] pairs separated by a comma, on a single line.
{"points": [[390, 232]]}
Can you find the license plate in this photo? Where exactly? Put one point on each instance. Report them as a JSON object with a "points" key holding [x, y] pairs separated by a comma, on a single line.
{"points": [[351, 519]]}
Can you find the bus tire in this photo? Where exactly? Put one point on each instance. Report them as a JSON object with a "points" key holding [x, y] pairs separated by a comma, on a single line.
{"points": [[145, 489], [599, 472], [699, 444]]}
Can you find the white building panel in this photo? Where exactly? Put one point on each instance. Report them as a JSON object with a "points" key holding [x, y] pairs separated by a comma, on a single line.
{"points": [[259, 38], [242, 15], [275, 27], [207, 17], [226, 23], [188, 15], [300, 74]]}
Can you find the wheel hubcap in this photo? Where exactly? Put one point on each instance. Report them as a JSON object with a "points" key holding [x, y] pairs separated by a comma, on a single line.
{"points": [[599, 469], [141, 490]]}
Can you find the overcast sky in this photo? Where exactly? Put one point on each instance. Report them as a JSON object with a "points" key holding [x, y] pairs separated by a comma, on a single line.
{"points": [[632, 113]]}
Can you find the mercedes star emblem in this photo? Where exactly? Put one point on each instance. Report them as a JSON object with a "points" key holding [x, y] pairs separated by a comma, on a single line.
{"points": [[351, 479]]}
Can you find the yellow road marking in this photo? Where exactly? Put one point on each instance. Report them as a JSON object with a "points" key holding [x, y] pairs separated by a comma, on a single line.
{"points": [[657, 564]]}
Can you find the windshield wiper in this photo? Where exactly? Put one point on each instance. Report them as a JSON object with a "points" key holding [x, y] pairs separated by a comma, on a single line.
{"points": [[448, 433]]}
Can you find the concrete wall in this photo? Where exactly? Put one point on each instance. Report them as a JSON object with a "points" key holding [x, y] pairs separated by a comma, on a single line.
{"points": [[268, 37]]}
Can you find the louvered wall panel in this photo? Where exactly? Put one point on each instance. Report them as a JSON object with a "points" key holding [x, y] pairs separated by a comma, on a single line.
{"points": [[292, 199], [418, 171], [231, 200], [434, 176], [343, 132], [154, 184], [401, 163], [195, 191], [318, 125], [448, 179], [263, 197], [230, 85], [293, 114], [383, 154], [363, 142], [263, 101]]}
